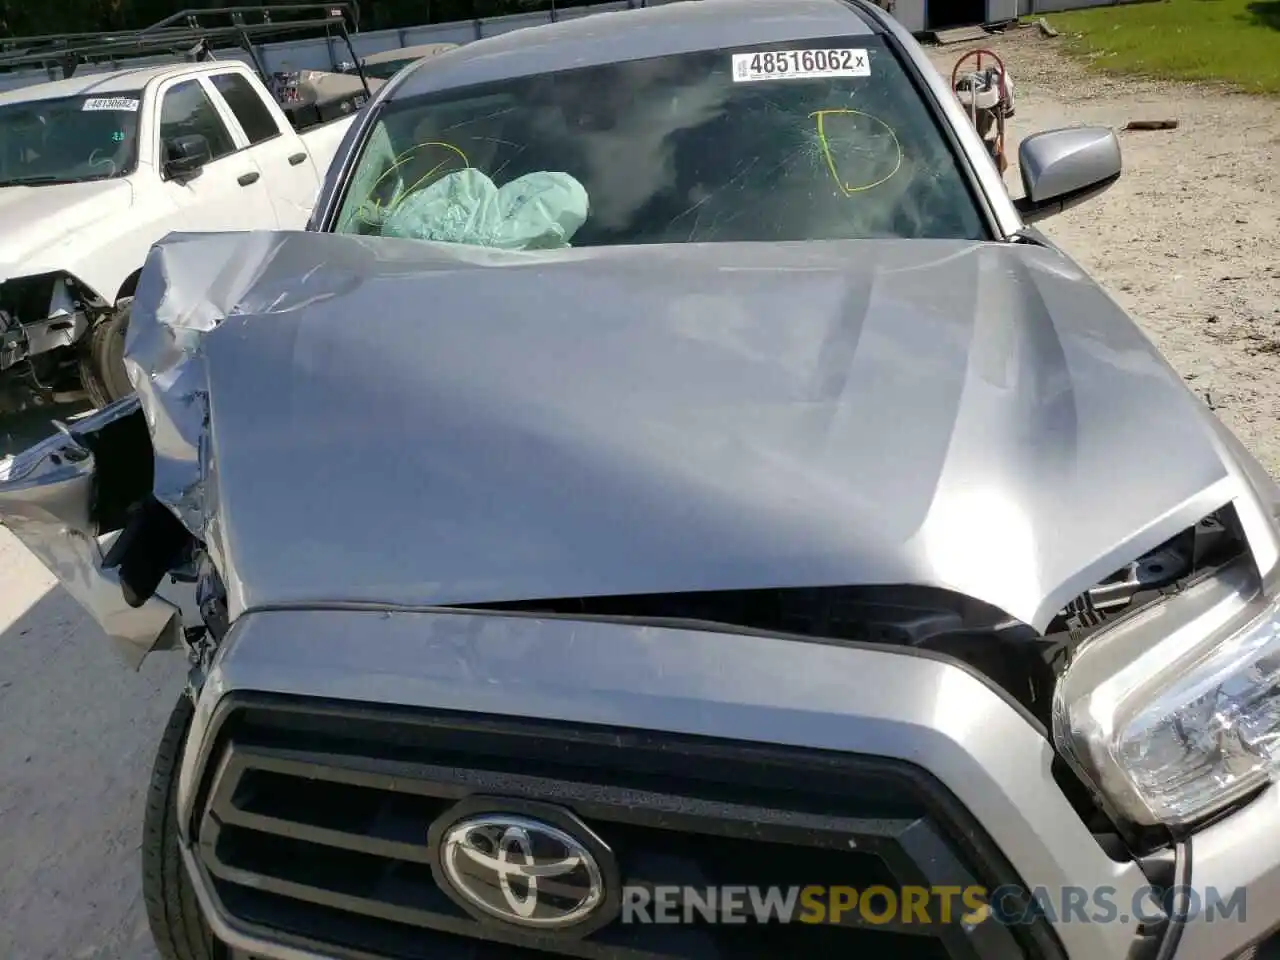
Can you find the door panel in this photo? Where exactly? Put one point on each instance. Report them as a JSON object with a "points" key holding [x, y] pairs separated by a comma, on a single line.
{"points": [[229, 192], [290, 179]]}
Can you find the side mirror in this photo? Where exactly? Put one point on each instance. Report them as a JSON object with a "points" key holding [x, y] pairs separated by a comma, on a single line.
{"points": [[184, 156], [1061, 168]]}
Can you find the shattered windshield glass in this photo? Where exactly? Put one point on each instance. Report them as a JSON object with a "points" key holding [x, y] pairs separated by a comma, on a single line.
{"points": [[68, 139], [803, 141]]}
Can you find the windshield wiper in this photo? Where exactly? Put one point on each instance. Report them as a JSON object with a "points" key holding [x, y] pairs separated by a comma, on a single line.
{"points": [[37, 181], [43, 181]]}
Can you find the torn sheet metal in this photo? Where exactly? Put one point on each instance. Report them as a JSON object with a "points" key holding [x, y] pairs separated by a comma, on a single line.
{"points": [[45, 499], [368, 419]]}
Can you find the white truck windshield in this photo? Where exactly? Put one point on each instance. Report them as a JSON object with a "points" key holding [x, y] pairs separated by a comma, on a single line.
{"points": [[811, 140], [69, 139]]}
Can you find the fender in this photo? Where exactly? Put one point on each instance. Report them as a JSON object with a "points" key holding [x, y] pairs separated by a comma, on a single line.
{"points": [[70, 498], [105, 238], [109, 254]]}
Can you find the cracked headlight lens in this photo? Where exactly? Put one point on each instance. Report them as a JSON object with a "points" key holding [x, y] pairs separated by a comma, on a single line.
{"points": [[1176, 713]]}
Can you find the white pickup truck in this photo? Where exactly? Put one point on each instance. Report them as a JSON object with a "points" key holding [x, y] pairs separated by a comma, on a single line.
{"points": [[94, 169]]}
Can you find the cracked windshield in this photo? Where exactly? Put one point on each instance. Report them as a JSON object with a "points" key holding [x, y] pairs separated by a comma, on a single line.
{"points": [[68, 139], [751, 144]]}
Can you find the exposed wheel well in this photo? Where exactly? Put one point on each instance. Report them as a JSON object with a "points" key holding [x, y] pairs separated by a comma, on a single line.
{"points": [[129, 286]]}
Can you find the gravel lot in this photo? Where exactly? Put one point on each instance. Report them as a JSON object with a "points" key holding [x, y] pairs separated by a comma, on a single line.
{"points": [[79, 732], [1186, 241]]}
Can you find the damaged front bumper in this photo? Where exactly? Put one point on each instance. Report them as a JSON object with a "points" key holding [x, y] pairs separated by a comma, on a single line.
{"points": [[43, 319], [47, 498], [40, 314], [22, 341]]}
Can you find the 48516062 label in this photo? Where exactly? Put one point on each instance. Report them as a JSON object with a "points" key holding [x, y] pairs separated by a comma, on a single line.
{"points": [[800, 64]]}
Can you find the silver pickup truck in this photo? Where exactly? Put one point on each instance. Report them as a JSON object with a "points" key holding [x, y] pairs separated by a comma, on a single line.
{"points": [[671, 503]]}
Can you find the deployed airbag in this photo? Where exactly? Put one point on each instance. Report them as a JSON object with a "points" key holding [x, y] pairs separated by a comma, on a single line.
{"points": [[539, 211]]}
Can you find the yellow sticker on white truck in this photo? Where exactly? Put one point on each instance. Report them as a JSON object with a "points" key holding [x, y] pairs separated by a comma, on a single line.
{"points": [[800, 64]]}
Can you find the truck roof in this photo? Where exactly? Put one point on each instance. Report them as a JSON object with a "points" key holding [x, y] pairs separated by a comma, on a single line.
{"points": [[108, 82]]}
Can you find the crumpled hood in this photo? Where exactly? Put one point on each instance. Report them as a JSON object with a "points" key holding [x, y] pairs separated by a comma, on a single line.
{"points": [[400, 422], [32, 219]]}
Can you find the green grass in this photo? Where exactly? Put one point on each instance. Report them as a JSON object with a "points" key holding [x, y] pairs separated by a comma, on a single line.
{"points": [[1229, 41]]}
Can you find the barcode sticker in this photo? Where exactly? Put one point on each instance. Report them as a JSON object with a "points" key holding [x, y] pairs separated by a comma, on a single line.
{"points": [[800, 65], [126, 104]]}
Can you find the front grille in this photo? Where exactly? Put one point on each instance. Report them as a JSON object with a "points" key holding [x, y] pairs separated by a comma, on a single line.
{"points": [[312, 822]]}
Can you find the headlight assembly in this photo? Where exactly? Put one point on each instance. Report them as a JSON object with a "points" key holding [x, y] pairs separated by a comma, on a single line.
{"points": [[1175, 713]]}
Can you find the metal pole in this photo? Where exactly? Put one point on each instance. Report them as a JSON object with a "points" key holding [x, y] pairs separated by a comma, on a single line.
{"points": [[364, 82], [248, 47]]}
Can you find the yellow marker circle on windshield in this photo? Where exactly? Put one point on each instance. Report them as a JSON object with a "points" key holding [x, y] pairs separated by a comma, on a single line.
{"points": [[824, 142]]}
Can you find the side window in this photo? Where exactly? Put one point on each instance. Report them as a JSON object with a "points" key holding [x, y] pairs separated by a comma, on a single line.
{"points": [[187, 110], [246, 103]]}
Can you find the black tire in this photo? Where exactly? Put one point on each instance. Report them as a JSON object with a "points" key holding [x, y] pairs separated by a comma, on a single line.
{"points": [[102, 364], [173, 913]]}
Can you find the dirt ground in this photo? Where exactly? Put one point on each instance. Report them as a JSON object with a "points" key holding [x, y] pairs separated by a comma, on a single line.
{"points": [[1188, 241]]}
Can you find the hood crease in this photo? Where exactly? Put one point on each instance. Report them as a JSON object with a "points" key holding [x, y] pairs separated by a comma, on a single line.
{"points": [[425, 424]]}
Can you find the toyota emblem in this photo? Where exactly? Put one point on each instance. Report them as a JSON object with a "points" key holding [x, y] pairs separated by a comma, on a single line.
{"points": [[524, 870]]}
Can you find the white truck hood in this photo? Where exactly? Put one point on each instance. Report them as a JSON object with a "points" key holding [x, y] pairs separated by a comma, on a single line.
{"points": [[36, 221]]}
